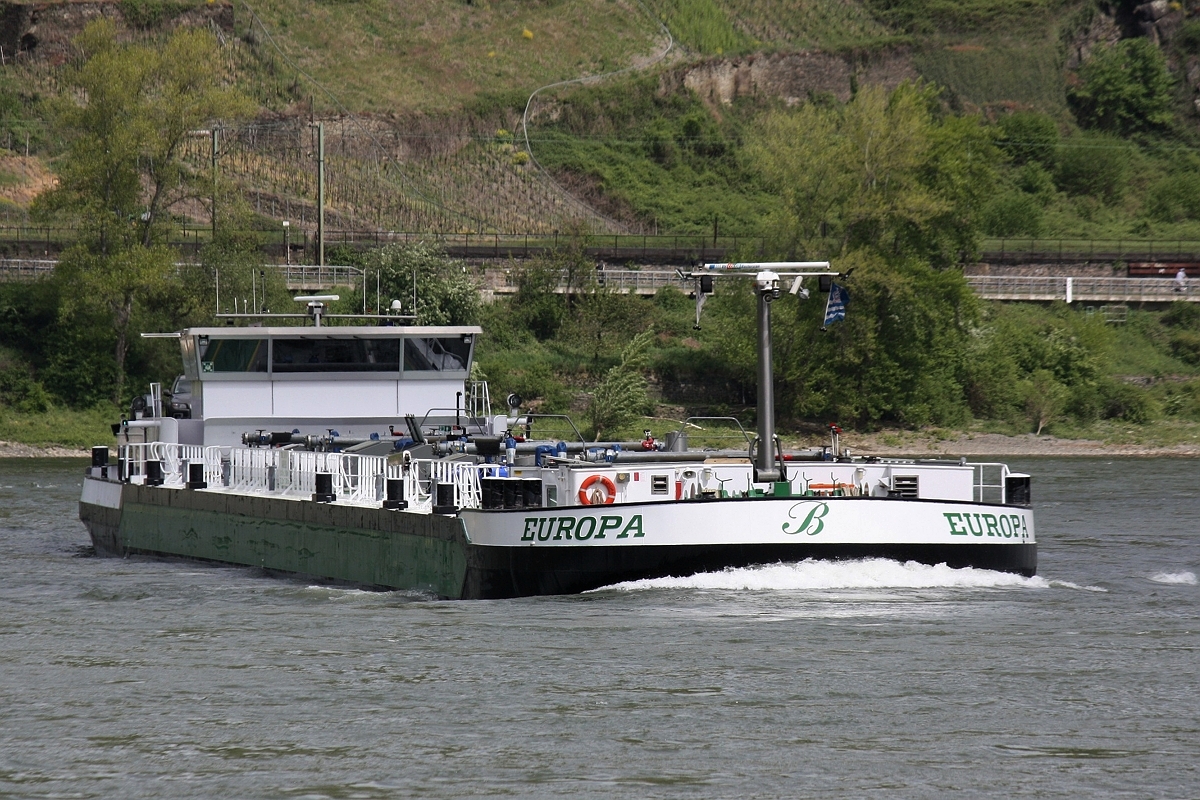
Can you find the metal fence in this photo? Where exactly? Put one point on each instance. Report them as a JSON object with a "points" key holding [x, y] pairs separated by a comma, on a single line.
{"points": [[25, 269], [1070, 290], [1034, 250]]}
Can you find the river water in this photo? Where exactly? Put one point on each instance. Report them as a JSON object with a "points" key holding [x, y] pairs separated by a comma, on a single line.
{"points": [[148, 678]]}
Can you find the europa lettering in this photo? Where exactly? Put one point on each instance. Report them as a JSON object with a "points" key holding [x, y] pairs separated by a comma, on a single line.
{"points": [[1005, 526], [557, 529]]}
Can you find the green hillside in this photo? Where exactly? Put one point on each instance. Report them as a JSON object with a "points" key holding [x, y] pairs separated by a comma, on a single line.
{"points": [[890, 135]]}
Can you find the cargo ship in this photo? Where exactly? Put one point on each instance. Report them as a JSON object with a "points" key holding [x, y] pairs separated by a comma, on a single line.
{"points": [[364, 454]]}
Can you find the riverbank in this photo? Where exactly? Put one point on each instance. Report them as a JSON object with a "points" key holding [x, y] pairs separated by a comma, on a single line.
{"points": [[995, 444], [18, 450], [883, 444]]}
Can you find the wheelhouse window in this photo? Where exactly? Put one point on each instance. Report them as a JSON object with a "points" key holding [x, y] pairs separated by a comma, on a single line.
{"points": [[336, 355], [437, 354], [234, 355]]}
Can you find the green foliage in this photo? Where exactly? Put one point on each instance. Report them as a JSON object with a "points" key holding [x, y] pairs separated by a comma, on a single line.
{"points": [[19, 389], [1027, 72], [1187, 39], [1013, 214], [896, 358], [445, 293], [702, 25], [663, 158], [148, 14], [1124, 88], [542, 311], [621, 395], [1044, 399], [1038, 364], [1027, 137], [1174, 197], [962, 16], [127, 114], [1094, 165], [1185, 345], [79, 428], [1182, 315], [880, 172]]}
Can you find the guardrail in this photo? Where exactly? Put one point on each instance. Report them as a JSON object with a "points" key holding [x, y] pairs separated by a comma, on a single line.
{"points": [[24, 269], [1071, 290], [1035, 250], [356, 479]]}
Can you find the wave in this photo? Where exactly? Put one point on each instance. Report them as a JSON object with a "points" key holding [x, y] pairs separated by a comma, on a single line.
{"points": [[873, 573], [1178, 578]]}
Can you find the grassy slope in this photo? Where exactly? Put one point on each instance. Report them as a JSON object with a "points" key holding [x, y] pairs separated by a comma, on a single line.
{"points": [[438, 55]]}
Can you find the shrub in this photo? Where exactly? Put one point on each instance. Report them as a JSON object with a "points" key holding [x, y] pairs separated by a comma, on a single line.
{"points": [[1187, 40], [1029, 138], [1125, 402], [1175, 198], [1182, 314], [1094, 165], [1035, 180], [1185, 345], [19, 390], [1124, 88], [1013, 214]]}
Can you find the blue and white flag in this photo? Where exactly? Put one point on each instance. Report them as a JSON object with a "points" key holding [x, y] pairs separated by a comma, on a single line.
{"points": [[835, 307]]}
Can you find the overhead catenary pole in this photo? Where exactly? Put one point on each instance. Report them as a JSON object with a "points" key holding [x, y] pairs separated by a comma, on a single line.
{"points": [[320, 194], [215, 135]]}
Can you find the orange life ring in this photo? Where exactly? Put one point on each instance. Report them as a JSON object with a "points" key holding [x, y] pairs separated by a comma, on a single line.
{"points": [[609, 487]]}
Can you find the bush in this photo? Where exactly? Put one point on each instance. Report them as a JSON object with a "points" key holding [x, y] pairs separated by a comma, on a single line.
{"points": [[1125, 402], [1029, 138], [1124, 88], [1094, 165], [1187, 40], [1175, 198], [1182, 314], [1013, 214], [1035, 180], [20, 391], [1185, 345]]}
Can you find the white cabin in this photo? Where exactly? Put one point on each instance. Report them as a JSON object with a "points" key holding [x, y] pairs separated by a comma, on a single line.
{"points": [[352, 380]]}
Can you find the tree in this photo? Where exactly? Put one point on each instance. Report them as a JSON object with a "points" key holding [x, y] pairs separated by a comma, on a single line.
{"points": [[126, 114], [1124, 88], [879, 172], [445, 293], [621, 396], [1044, 399]]}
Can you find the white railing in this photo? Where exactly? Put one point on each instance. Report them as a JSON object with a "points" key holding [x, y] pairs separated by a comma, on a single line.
{"points": [[174, 459], [356, 479], [253, 469], [1076, 290], [421, 477]]}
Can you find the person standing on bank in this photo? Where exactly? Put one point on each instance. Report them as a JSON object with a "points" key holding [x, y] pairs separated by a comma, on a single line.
{"points": [[1181, 280]]}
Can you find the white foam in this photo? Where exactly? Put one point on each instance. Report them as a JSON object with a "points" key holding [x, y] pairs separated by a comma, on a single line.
{"points": [[1183, 578], [874, 573]]}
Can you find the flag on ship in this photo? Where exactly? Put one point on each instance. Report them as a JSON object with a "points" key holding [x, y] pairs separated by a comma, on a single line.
{"points": [[835, 306]]}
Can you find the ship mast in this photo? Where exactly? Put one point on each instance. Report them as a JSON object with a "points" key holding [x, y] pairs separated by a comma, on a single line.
{"points": [[767, 288]]}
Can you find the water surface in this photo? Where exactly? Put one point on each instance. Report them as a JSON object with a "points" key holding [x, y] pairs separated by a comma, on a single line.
{"points": [[151, 678]]}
